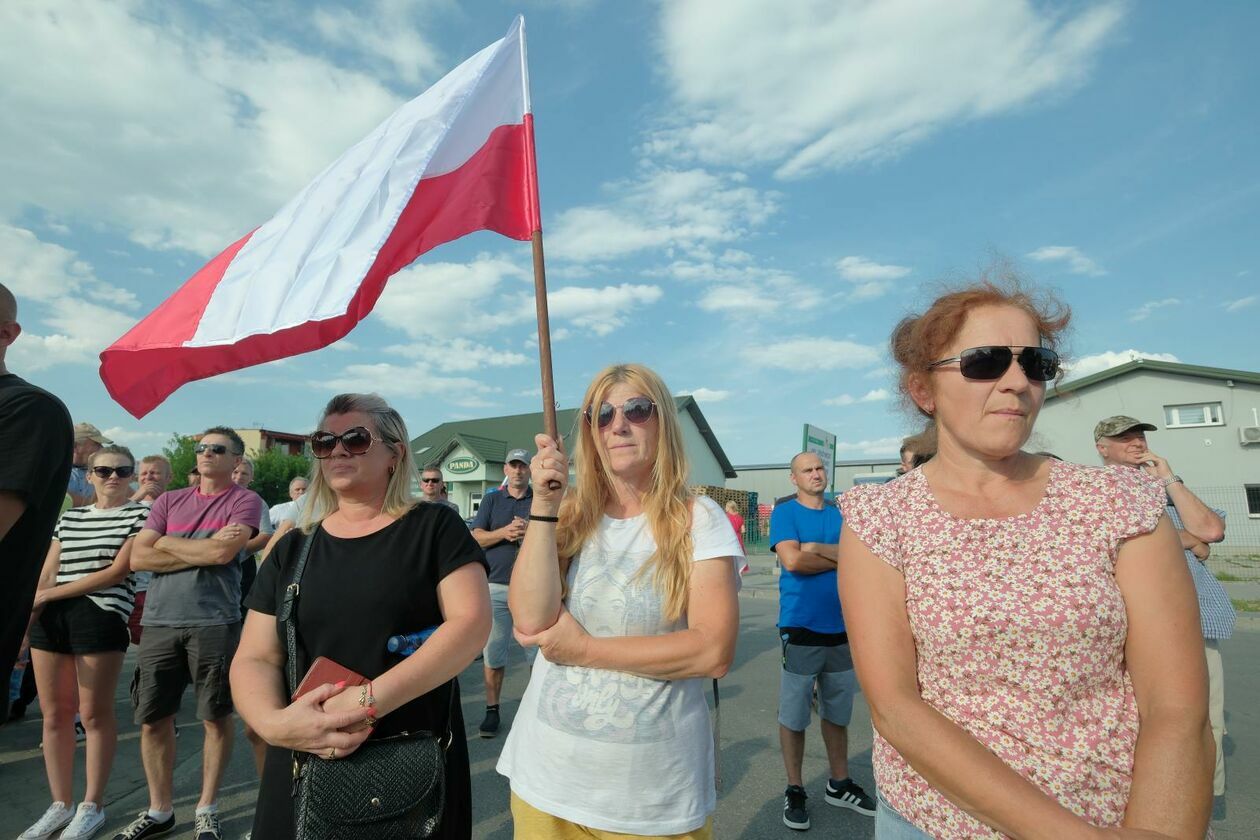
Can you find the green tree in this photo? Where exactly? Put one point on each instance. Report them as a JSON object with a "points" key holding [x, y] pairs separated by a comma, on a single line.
{"points": [[179, 451], [273, 470]]}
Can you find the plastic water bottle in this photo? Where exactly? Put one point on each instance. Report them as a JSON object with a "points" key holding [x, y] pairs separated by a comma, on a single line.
{"points": [[410, 643]]}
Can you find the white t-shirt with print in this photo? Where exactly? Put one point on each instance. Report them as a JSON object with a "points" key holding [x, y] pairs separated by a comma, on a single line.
{"points": [[606, 749]]}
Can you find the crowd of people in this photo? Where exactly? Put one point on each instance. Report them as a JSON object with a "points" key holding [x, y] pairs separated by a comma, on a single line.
{"points": [[1036, 640]]}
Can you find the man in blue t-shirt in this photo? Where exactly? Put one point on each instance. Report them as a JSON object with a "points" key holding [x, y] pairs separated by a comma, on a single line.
{"points": [[805, 533]]}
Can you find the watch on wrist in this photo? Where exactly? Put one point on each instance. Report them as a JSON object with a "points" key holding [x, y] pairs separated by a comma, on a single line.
{"points": [[1176, 479]]}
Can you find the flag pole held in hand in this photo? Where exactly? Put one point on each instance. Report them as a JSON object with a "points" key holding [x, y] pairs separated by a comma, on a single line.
{"points": [[540, 279]]}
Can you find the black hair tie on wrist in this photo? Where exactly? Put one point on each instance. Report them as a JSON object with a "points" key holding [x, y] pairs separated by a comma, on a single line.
{"points": [[536, 518]]}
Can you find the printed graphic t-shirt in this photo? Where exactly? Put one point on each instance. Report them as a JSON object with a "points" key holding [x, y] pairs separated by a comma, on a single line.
{"points": [[606, 749], [202, 596]]}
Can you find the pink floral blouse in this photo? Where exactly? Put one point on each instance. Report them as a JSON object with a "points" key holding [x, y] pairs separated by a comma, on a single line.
{"points": [[1019, 629]]}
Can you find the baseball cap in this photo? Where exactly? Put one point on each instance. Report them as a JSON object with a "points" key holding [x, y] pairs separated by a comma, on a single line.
{"points": [[86, 431], [1119, 424], [517, 455]]}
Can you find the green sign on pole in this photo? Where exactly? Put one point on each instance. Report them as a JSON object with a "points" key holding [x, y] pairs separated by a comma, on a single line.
{"points": [[823, 444]]}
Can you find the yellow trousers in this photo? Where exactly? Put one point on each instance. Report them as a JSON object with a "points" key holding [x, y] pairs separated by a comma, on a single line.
{"points": [[532, 824]]}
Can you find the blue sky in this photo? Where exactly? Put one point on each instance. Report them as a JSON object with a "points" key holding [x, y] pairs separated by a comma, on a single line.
{"points": [[744, 195]]}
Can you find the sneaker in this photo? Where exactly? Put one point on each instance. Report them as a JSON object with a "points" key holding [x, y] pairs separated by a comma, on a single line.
{"points": [[88, 820], [207, 826], [849, 795], [489, 724], [57, 816], [145, 826], [795, 814]]}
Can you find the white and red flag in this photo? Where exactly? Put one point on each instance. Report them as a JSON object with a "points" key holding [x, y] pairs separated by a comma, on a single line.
{"points": [[457, 159]]}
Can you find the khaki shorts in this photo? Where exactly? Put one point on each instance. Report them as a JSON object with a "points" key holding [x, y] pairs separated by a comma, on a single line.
{"points": [[172, 657]]}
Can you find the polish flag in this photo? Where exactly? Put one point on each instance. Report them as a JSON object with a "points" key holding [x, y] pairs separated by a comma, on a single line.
{"points": [[457, 159]]}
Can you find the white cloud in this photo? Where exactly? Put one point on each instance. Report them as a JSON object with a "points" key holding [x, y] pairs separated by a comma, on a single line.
{"points": [[409, 381], [870, 279], [821, 85], [55, 292], [140, 442], [600, 310], [1077, 262], [1241, 303], [384, 36], [877, 395], [1113, 358], [490, 294], [815, 353], [706, 395], [75, 332], [207, 135], [453, 300], [457, 355], [35, 270], [665, 208], [1147, 309]]}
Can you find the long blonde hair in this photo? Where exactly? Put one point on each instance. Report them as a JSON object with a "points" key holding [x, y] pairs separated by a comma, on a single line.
{"points": [[321, 500], [666, 501]]}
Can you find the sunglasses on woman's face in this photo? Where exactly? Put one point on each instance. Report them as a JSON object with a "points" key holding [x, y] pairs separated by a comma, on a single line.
{"points": [[106, 472], [355, 441], [987, 364], [638, 410]]}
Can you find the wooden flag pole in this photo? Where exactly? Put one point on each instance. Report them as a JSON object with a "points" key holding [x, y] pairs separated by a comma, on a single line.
{"points": [[544, 339]]}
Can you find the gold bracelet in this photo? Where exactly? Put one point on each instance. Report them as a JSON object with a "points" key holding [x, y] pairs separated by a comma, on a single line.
{"points": [[366, 700]]}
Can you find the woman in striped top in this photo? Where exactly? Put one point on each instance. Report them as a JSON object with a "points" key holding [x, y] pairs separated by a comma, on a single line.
{"points": [[79, 637]]}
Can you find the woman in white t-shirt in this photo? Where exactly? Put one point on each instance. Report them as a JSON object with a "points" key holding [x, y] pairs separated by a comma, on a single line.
{"points": [[628, 587]]}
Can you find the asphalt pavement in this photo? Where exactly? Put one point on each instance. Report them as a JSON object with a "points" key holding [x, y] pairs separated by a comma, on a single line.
{"points": [[749, 804]]}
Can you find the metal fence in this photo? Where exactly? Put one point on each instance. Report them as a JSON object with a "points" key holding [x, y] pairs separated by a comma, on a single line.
{"points": [[1236, 558]]}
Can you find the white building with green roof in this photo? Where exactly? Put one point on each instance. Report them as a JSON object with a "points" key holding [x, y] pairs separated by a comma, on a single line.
{"points": [[470, 453]]}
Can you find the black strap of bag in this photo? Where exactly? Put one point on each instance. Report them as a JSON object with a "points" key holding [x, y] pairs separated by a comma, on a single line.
{"points": [[388, 789]]}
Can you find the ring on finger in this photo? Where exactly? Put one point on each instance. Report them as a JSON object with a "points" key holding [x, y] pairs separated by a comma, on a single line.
{"points": [[332, 752]]}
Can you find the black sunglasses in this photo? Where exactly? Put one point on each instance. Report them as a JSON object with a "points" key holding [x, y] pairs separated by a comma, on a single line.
{"points": [[213, 448], [986, 364], [106, 472], [430, 480], [638, 410], [355, 441]]}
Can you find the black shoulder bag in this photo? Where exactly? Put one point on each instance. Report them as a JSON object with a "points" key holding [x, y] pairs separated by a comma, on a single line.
{"points": [[388, 789]]}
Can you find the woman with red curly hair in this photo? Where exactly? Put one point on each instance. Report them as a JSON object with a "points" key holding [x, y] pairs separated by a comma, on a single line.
{"points": [[1025, 630]]}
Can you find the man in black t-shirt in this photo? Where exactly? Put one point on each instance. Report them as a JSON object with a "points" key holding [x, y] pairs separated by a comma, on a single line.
{"points": [[36, 438], [498, 529]]}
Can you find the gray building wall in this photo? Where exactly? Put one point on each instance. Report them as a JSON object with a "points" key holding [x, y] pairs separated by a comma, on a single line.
{"points": [[770, 481], [1209, 458], [705, 468]]}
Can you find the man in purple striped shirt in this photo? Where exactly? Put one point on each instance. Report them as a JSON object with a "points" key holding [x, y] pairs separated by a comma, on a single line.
{"points": [[193, 542]]}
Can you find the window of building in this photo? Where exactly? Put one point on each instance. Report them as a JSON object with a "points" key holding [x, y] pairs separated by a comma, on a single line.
{"points": [[1253, 499], [1195, 414]]}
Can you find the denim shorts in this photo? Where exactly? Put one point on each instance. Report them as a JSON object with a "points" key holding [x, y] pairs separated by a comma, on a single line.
{"points": [[501, 640], [889, 825], [830, 668]]}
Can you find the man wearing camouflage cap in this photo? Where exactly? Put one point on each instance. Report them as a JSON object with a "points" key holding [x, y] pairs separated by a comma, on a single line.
{"points": [[1121, 440], [87, 441]]}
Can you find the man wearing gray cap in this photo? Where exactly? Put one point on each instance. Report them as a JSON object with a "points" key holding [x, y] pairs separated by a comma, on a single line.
{"points": [[1121, 440], [498, 529]]}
